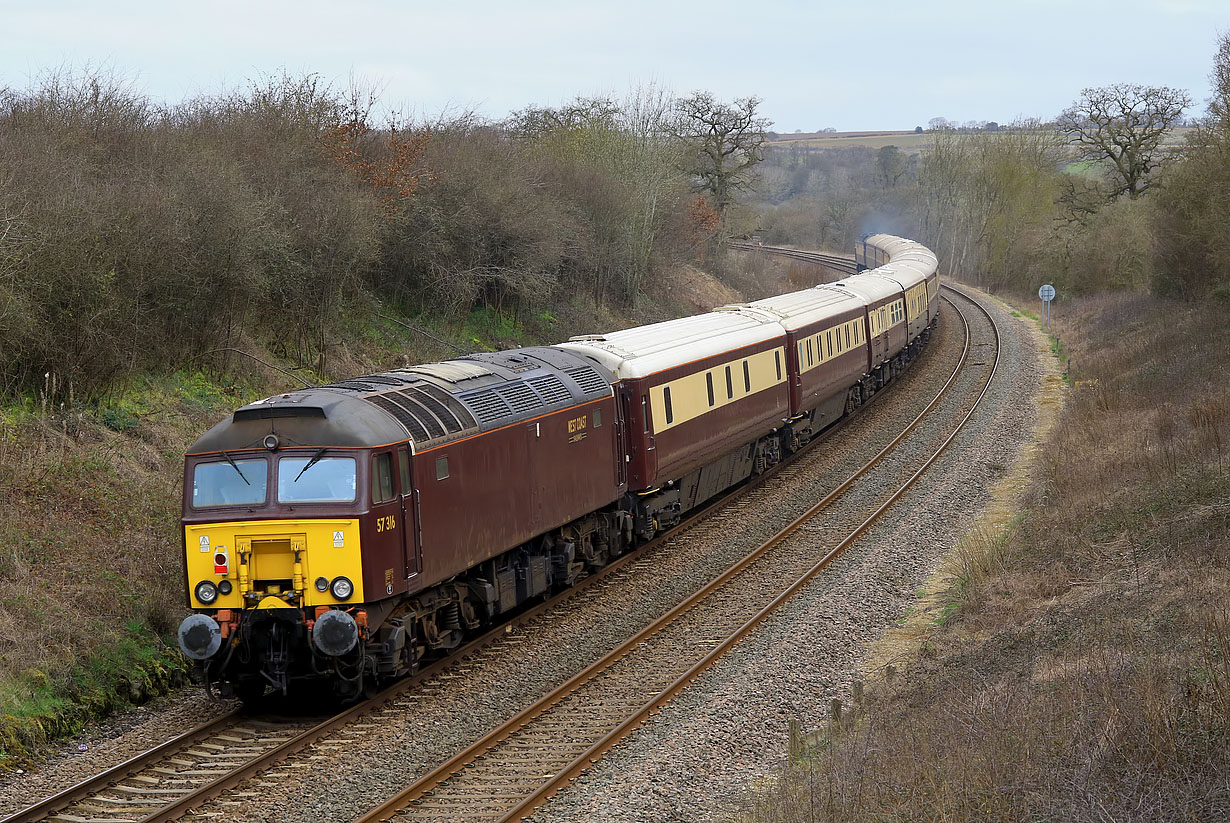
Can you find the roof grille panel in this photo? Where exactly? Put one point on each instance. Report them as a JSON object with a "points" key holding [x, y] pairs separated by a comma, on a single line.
{"points": [[551, 389], [520, 397], [443, 414], [488, 406], [404, 417], [589, 380], [450, 402], [433, 426]]}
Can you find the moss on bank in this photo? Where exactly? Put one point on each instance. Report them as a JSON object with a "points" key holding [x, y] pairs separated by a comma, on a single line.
{"points": [[39, 707]]}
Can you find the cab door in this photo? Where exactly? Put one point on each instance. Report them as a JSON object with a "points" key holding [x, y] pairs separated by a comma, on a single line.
{"points": [[411, 535]]}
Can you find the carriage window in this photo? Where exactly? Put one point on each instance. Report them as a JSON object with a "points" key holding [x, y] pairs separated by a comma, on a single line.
{"points": [[670, 411], [730, 385], [847, 335], [597, 418], [747, 378], [645, 413], [829, 336], [317, 479], [442, 468], [809, 360], [224, 484], [777, 360], [382, 478], [709, 385]]}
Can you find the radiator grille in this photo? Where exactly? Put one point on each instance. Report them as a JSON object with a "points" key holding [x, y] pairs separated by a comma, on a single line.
{"points": [[589, 380], [551, 389]]}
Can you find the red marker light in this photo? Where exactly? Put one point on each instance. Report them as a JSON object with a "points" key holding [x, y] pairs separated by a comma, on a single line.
{"points": [[222, 565]]}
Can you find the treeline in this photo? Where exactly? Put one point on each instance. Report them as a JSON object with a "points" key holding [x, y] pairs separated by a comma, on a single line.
{"points": [[1105, 197], [135, 236], [828, 198]]}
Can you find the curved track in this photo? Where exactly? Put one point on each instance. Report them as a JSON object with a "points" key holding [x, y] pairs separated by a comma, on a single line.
{"points": [[835, 262], [518, 766]]}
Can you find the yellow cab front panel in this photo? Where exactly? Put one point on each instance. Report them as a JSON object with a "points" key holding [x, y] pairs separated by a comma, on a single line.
{"points": [[286, 560]]}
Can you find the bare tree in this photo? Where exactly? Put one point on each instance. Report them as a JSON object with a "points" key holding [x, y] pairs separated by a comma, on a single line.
{"points": [[724, 143], [1219, 104], [891, 165], [1124, 124]]}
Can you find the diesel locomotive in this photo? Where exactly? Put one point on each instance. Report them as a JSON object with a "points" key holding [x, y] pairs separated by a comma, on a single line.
{"points": [[342, 534]]}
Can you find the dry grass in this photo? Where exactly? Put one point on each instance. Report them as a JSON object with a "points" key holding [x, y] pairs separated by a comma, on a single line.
{"points": [[1085, 675]]}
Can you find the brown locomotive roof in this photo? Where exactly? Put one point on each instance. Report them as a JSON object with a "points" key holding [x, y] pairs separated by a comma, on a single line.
{"points": [[429, 404]]}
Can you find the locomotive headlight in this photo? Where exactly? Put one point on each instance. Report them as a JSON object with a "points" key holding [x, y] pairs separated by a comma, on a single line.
{"points": [[225, 587], [342, 588], [206, 592], [322, 584], [271, 442]]}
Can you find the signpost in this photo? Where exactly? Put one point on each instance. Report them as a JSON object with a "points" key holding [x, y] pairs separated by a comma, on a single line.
{"points": [[1047, 293]]}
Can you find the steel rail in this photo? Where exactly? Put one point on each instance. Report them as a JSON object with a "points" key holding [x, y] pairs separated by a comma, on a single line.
{"points": [[832, 261], [128, 768], [425, 785]]}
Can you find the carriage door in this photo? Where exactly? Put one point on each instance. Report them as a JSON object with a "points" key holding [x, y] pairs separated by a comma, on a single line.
{"points": [[411, 536]]}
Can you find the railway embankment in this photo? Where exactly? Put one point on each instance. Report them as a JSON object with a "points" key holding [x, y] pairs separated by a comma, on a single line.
{"points": [[1071, 659]]}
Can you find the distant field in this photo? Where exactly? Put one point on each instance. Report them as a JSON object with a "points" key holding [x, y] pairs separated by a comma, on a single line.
{"points": [[907, 141], [904, 140]]}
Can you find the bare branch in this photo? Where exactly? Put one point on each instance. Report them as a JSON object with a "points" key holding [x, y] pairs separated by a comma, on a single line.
{"points": [[1123, 125]]}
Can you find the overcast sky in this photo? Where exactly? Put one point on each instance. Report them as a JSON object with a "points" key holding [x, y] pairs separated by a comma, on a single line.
{"points": [[851, 65]]}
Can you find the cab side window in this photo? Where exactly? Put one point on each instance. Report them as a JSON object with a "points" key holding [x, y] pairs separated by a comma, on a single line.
{"points": [[382, 478], [403, 465]]}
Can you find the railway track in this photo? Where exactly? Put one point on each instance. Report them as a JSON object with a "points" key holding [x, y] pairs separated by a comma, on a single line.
{"points": [[142, 785], [516, 767], [166, 782], [835, 262]]}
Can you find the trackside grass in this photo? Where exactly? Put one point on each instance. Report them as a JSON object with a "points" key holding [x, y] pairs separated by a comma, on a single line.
{"points": [[1079, 670]]}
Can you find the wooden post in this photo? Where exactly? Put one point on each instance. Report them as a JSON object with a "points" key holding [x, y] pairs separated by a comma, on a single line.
{"points": [[858, 692], [835, 710], [795, 746]]}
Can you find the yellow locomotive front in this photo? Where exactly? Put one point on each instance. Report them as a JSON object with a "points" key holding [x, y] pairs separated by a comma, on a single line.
{"points": [[274, 511]]}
